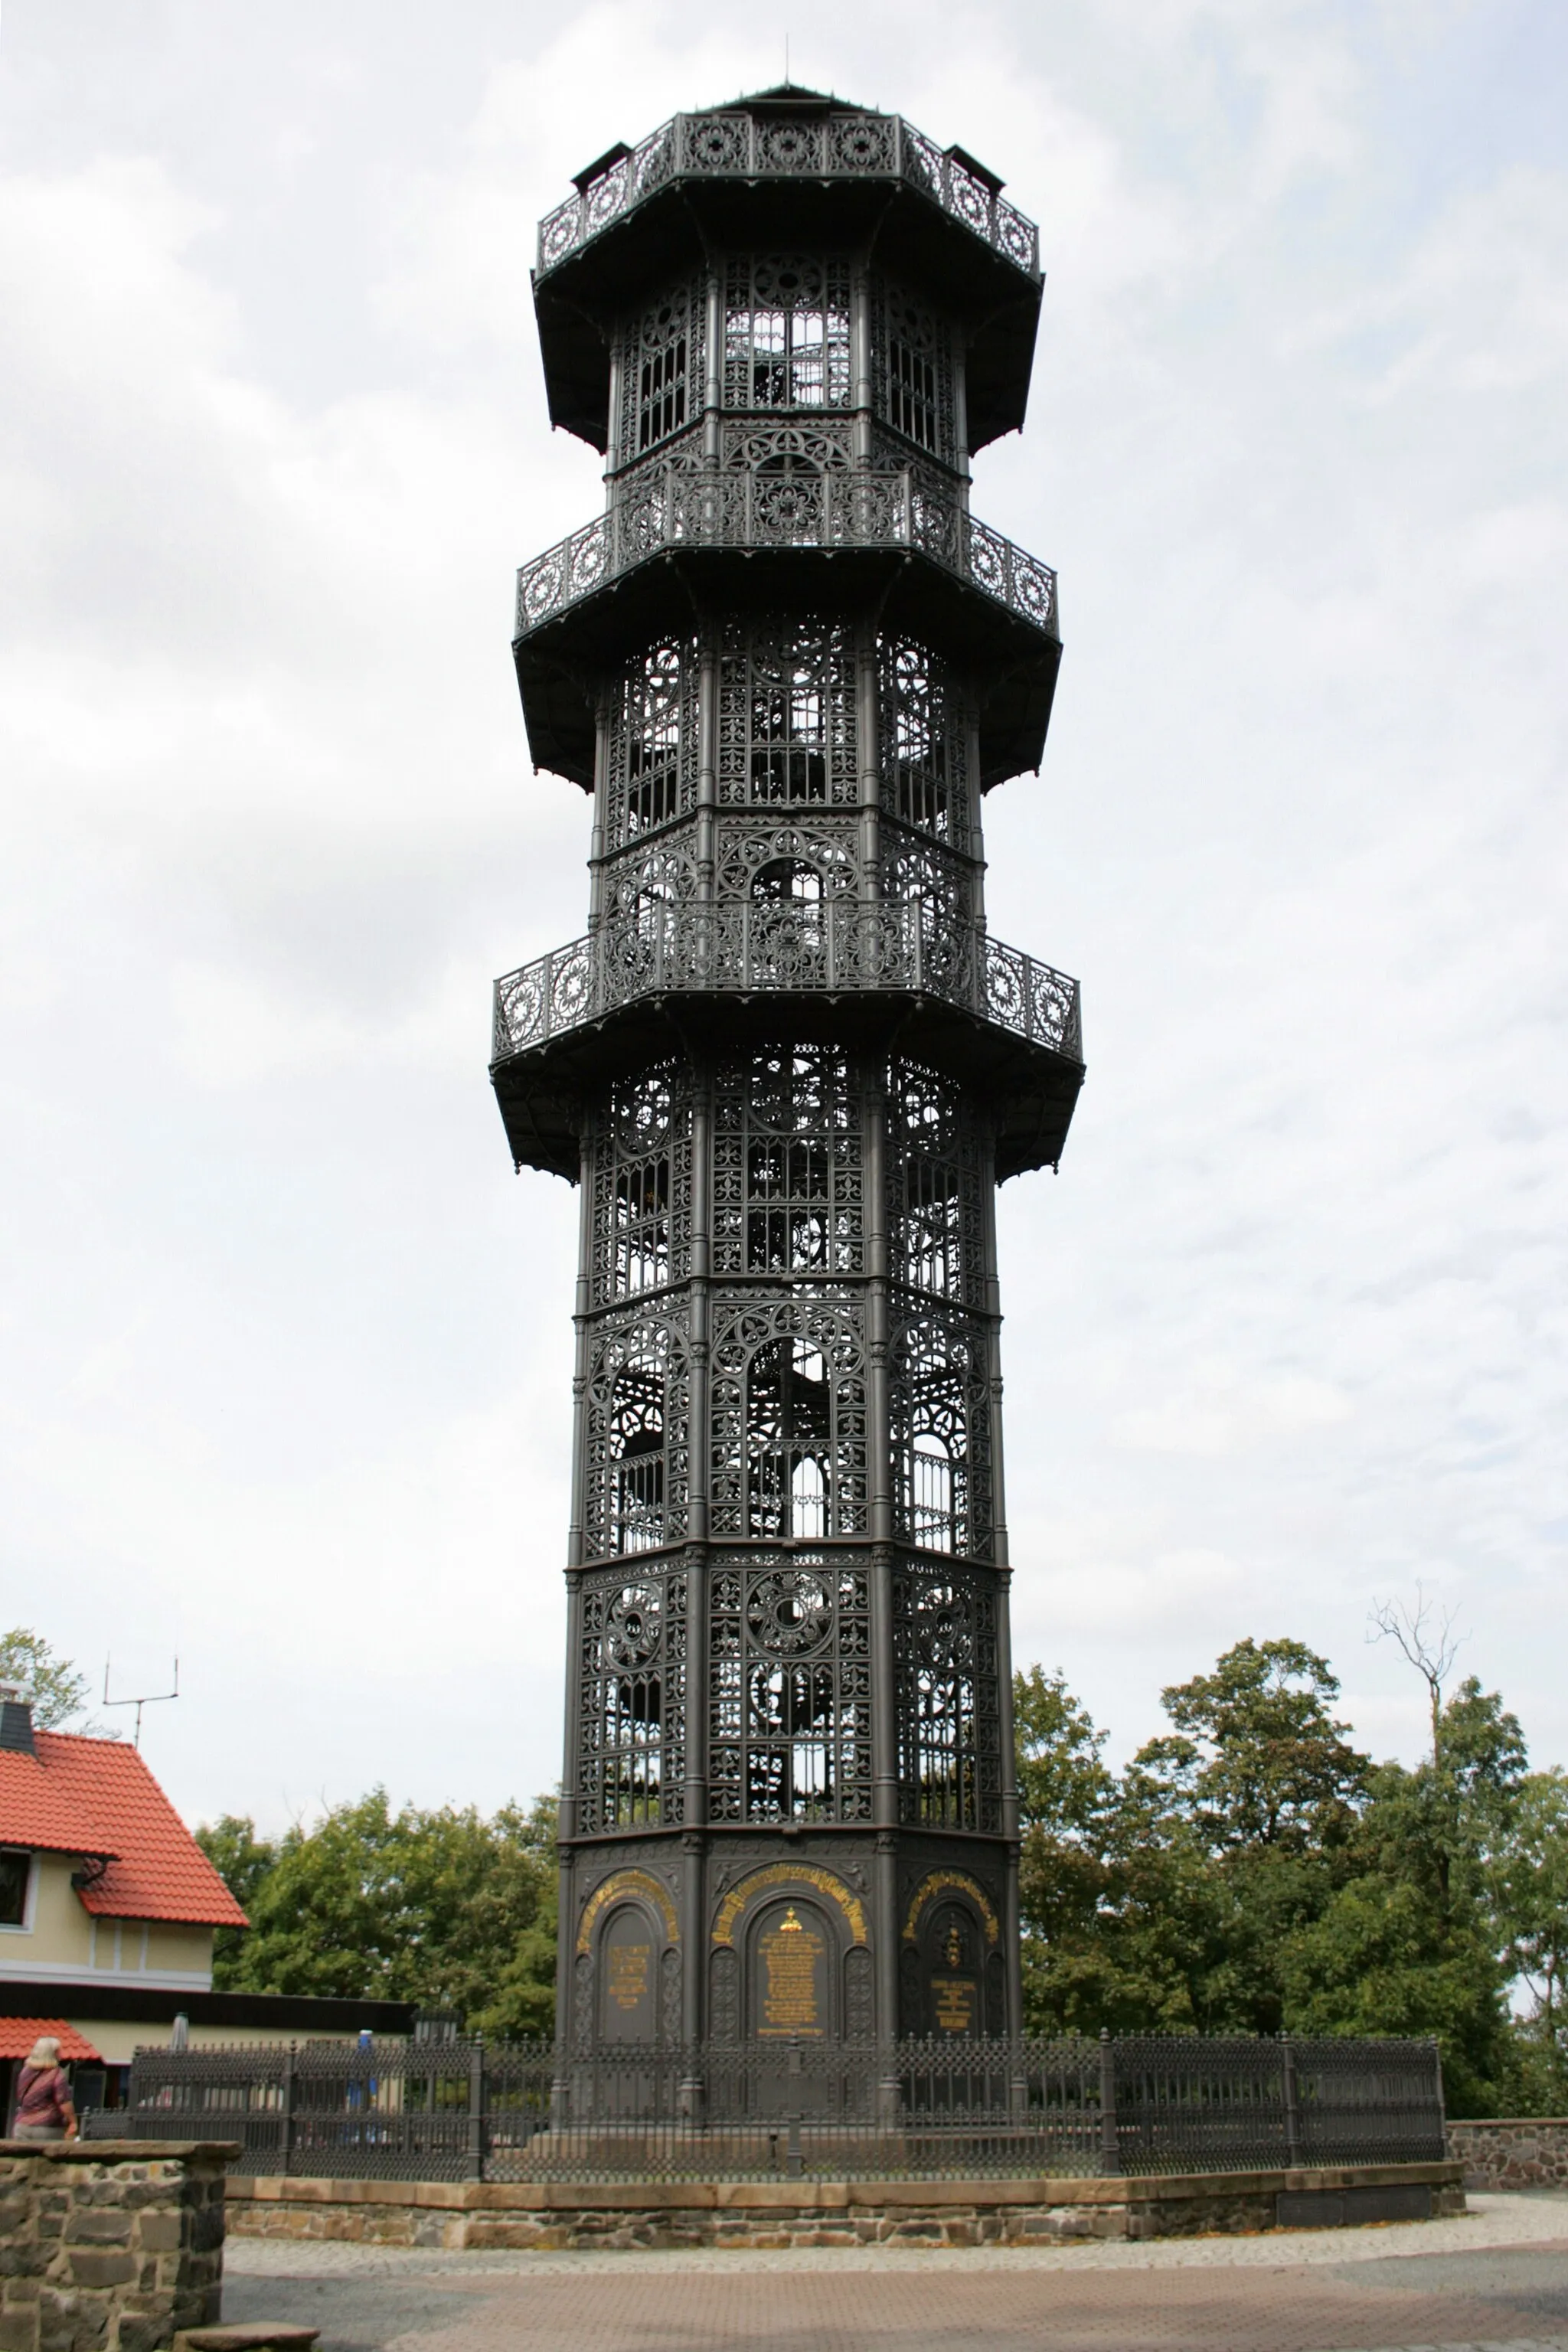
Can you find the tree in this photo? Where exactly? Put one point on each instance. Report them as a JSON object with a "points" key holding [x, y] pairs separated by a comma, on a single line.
{"points": [[443, 1907], [1065, 1804], [56, 1692], [242, 1861], [1413, 1943]]}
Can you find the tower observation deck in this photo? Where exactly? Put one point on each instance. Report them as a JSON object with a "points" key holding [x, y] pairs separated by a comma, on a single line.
{"points": [[788, 1066]]}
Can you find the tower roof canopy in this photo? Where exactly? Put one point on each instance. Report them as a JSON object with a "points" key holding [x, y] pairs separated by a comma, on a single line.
{"points": [[800, 168]]}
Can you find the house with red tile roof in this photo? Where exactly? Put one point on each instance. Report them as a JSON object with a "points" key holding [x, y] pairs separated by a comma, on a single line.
{"points": [[108, 1908]]}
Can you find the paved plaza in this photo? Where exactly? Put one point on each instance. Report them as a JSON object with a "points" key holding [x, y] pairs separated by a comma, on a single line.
{"points": [[1496, 2279]]}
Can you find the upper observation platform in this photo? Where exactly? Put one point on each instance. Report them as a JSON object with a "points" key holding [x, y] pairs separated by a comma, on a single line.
{"points": [[797, 167]]}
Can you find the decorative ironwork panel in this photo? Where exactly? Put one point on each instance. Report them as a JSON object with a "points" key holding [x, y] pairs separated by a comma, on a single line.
{"points": [[788, 1404], [949, 1720], [786, 945], [790, 1687], [939, 1407], [786, 332], [637, 1437], [822, 447], [788, 1193], [765, 863], [653, 743], [641, 1161], [936, 1171], [631, 1702], [641, 881], [851, 144], [925, 743], [662, 366], [912, 360], [787, 716], [665, 503]]}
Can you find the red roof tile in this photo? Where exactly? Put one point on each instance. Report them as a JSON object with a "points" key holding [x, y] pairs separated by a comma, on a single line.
{"points": [[97, 1797], [17, 2035], [37, 1807]]}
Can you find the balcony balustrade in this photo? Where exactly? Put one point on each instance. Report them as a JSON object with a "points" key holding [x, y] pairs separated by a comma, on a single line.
{"points": [[743, 146], [681, 948], [665, 506]]}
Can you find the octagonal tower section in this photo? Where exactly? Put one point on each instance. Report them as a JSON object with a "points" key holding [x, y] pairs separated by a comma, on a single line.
{"points": [[787, 1065]]}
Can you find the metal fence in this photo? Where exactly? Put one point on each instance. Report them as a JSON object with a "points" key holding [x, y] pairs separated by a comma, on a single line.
{"points": [[846, 145], [687, 947], [666, 505], [915, 2110]]}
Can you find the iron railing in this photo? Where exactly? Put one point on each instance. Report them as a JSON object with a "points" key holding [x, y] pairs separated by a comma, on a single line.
{"points": [[740, 146], [690, 946], [914, 2110], [665, 506]]}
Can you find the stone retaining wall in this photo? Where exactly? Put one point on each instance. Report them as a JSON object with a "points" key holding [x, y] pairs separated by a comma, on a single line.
{"points": [[581, 2215], [1504, 2152], [109, 2245]]}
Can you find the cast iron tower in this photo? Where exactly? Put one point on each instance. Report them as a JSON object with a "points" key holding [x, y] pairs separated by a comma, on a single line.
{"points": [[788, 1066]]}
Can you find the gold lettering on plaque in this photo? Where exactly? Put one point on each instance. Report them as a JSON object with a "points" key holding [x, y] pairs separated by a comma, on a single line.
{"points": [[628, 1973], [791, 1952], [955, 2004]]}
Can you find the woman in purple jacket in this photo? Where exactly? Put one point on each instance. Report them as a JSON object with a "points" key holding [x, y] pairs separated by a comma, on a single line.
{"points": [[43, 2109]]}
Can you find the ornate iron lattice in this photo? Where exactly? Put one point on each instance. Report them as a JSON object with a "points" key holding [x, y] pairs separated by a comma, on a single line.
{"points": [[936, 1220], [753, 861], [786, 332], [940, 1412], [641, 1162], [949, 1721], [642, 882], [653, 745], [790, 1687], [636, 1438], [787, 716], [662, 358], [632, 1701], [851, 144], [923, 745], [911, 359], [788, 1409], [787, 1172]]}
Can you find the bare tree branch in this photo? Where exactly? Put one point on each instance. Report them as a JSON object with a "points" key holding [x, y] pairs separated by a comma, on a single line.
{"points": [[1428, 1641]]}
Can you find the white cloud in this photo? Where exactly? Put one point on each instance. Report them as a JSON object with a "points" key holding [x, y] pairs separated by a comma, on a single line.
{"points": [[287, 1345]]}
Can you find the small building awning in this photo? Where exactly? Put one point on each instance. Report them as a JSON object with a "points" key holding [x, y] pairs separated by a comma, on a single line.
{"points": [[17, 2035]]}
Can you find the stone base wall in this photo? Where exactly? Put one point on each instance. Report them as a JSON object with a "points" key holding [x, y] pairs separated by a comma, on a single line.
{"points": [[583, 2216], [1503, 2152], [109, 2245]]}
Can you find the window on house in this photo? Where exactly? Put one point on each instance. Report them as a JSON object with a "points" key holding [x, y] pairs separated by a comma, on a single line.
{"points": [[14, 1871]]}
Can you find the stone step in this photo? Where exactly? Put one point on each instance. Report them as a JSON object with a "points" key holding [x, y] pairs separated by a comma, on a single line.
{"points": [[248, 2335]]}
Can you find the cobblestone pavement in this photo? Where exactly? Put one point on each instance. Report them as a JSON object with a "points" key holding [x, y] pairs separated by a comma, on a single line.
{"points": [[1495, 2281]]}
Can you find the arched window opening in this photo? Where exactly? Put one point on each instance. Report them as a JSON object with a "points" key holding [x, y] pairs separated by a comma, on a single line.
{"points": [[636, 1461], [789, 736], [641, 1211], [932, 1501], [786, 335], [790, 1441]]}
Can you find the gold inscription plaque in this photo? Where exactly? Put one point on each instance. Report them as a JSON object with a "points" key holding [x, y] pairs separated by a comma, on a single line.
{"points": [[628, 1973], [791, 1953], [955, 2004]]}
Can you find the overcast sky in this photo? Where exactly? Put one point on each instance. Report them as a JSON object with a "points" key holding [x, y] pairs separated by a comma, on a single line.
{"points": [[286, 1343]]}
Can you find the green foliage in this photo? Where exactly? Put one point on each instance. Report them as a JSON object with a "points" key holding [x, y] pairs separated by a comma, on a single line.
{"points": [[57, 1691], [443, 1907], [1252, 1871]]}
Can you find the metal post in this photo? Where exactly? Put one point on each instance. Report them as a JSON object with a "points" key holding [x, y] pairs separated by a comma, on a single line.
{"points": [[1110, 2131], [1293, 2114], [794, 2162], [287, 2149], [475, 2164]]}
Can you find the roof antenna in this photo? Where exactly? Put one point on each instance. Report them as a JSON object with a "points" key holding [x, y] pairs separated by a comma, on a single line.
{"points": [[787, 61], [149, 1698]]}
